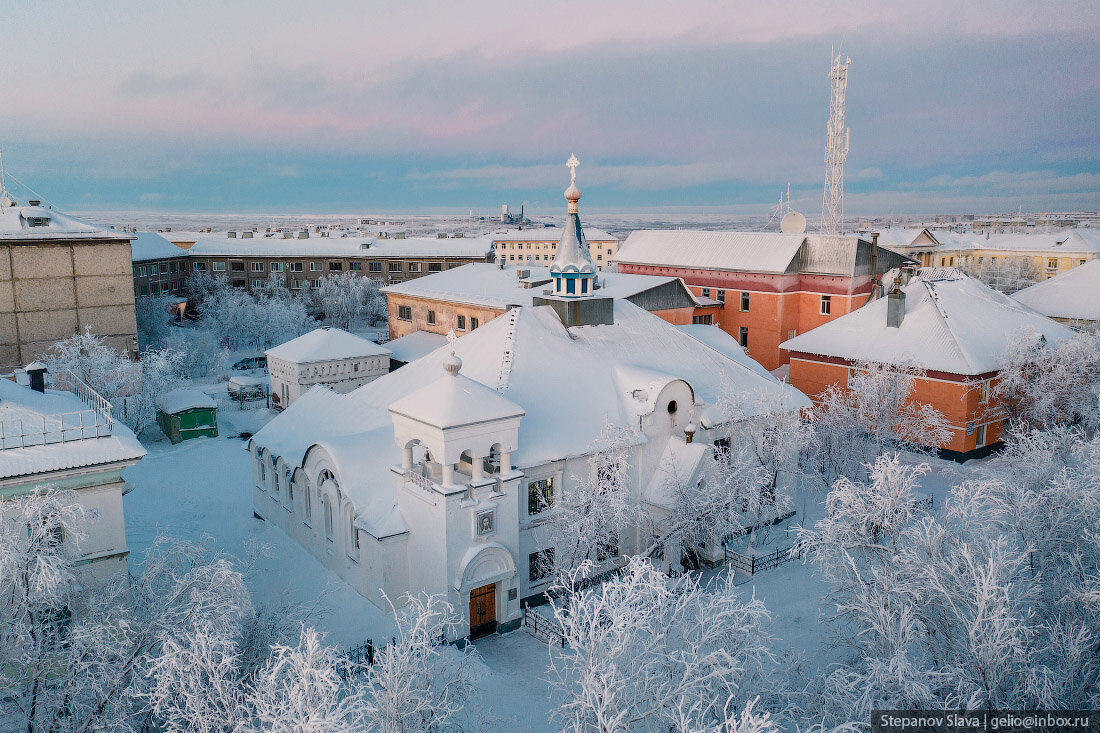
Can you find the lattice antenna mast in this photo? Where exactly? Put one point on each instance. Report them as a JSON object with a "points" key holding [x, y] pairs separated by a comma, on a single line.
{"points": [[836, 150]]}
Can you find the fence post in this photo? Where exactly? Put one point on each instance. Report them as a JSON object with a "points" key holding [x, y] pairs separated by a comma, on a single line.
{"points": [[370, 652], [752, 564]]}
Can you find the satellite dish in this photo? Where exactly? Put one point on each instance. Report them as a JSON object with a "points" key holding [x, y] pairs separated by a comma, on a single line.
{"points": [[793, 223]]}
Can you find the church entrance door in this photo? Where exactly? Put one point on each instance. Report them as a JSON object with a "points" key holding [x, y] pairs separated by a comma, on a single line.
{"points": [[483, 610]]}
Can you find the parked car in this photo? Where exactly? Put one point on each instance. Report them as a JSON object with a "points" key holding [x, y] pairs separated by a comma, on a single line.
{"points": [[249, 363]]}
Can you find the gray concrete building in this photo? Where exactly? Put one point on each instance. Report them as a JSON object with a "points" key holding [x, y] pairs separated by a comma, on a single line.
{"points": [[58, 276]]}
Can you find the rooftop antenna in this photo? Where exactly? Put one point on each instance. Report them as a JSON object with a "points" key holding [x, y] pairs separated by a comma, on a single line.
{"points": [[836, 150]]}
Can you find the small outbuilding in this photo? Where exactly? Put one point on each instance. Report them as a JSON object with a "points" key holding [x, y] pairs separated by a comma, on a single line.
{"points": [[187, 413], [332, 357]]}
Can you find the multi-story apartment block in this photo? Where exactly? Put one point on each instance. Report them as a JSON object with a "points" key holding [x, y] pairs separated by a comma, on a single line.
{"points": [[249, 260], [537, 246], [1033, 255], [59, 276]]}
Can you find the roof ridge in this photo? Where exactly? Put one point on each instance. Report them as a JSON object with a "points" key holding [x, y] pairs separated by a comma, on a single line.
{"points": [[947, 321]]}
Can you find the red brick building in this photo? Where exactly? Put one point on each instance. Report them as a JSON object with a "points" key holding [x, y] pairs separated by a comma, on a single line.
{"points": [[771, 286]]}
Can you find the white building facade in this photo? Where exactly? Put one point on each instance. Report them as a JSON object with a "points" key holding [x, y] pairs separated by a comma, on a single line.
{"points": [[330, 357]]}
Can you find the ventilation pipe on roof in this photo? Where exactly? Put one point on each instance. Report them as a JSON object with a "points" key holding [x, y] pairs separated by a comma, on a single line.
{"points": [[895, 306], [876, 286], [689, 432]]}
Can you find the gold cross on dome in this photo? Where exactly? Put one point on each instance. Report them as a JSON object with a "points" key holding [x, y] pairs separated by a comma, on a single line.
{"points": [[572, 164]]}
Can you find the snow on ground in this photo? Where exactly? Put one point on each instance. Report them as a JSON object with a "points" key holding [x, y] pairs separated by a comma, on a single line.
{"points": [[201, 490]]}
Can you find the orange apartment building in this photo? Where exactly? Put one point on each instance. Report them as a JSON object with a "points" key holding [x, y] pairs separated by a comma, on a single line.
{"points": [[472, 295], [950, 326], [767, 286]]}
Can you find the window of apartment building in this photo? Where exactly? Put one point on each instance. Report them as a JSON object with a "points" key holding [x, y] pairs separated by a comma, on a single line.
{"points": [[992, 260], [1081, 262], [744, 301], [519, 246], [143, 271], [721, 296], [144, 289], [792, 333], [276, 266], [258, 283], [153, 270], [238, 283], [236, 266], [374, 267], [314, 266], [219, 267], [257, 267], [540, 564], [943, 262], [706, 320], [826, 304], [294, 267], [171, 267], [706, 292], [460, 323], [473, 323], [395, 267], [743, 337], [414, 267], [355, 266], [435, 267], [335, 266], [979, 436], [431, 318], [1052, 264], [540, 495], [600, 258], [154, 289], [983, 391], [405, 312], [199, 267], [296, 284], [511, 257]]}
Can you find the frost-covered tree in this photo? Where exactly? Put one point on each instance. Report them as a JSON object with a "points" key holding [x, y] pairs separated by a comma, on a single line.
{"points": [[155, 315], [130, 386], [988, 605], [1008, 274], [645, 652], [345, 297], [873, 415], [1043, 386], [242, 320], [588, 517], [419, 683]]}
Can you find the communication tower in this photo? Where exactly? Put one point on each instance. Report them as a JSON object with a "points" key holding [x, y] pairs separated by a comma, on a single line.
{"points": [[836, 150]]}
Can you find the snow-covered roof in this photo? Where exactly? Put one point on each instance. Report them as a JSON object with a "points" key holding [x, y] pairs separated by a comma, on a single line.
{"points": [[56, 447], [181, 400], [455, 400], [548, 234], [572, 254], [325, 344], [416, 344], [488, 285], [764, 252], [742, 251], [551, 368], [901, 236], [952, 323], [1068, 241], [38, 222], [723, 343], [680, 464], [152, 246], [1075, 294], [343, 246]]}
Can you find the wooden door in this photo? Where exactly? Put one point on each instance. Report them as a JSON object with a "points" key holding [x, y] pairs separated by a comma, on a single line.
{"points": [[483, 610]]}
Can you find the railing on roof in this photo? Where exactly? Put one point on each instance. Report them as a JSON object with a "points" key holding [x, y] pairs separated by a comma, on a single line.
{"points": [[65, 427]]}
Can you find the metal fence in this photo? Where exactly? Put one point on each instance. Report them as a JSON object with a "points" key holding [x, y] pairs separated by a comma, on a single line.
{"points": [[542, 627], [95, 422], [358, 659], [753, 564]]}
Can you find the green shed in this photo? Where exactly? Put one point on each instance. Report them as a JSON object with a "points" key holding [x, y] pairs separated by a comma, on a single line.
{"points": [[187, 413]]}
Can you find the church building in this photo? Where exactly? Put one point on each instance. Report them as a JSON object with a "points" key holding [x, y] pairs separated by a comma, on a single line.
{"points": [[442, 475]]}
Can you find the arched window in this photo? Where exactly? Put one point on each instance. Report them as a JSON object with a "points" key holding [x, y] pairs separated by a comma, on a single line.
{"points": [[328, 518], [275, 480], [289, 490], [353, 535], [309, 506]]}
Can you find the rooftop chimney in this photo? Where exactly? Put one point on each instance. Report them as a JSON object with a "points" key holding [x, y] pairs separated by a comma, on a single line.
{"points": [[895, 306], [34, 202]]}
